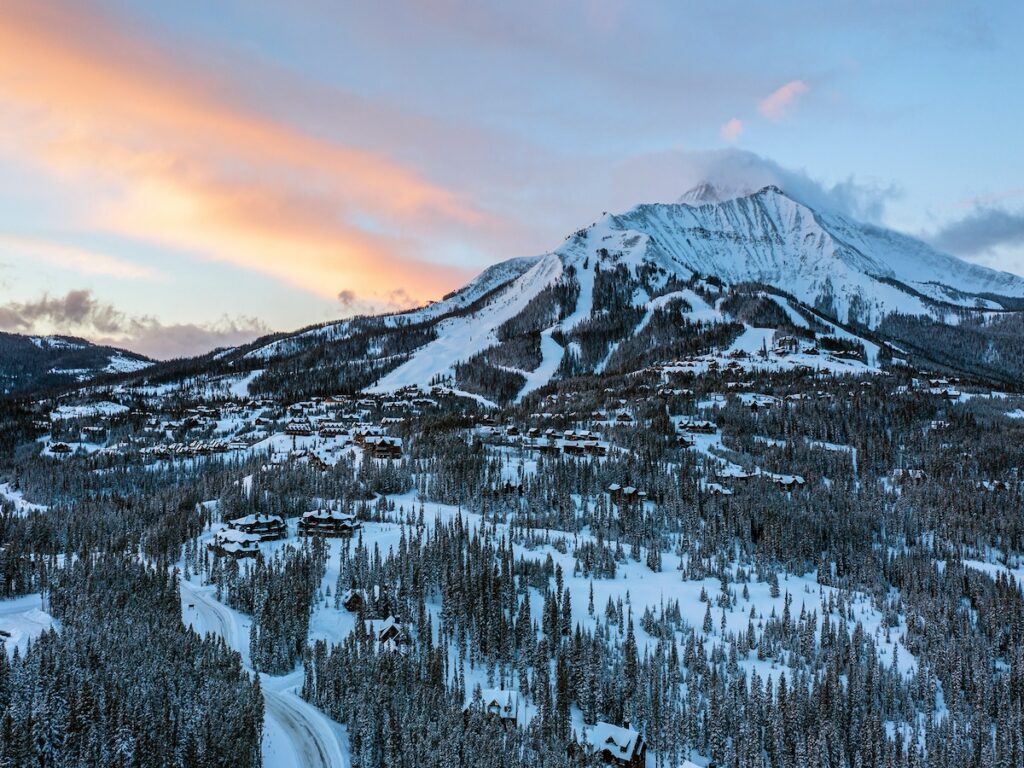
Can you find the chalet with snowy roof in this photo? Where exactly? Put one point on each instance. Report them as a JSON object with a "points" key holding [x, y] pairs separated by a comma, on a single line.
{"points": [[266, 527], [499, 705], [353, 600], [363, 433], [390, 633], [625, 495], [789, 482], [617, 745], [383, 447], [697, 426], [332, 429], [584, 447], [231, 542], [299, 427], [328, 522], [735, 474], [60, 448]]}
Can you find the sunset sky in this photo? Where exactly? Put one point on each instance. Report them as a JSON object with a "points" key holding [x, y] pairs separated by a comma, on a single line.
{"points": [[179, 176]]}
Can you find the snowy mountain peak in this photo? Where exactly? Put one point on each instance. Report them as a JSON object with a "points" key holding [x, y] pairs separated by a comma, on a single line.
{"points": [[707, 193]]}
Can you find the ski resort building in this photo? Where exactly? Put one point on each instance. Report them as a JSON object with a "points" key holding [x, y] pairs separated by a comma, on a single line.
{"points": [[231, 542], [328, 522], [266, 527], [383, 447], [299, 427]]}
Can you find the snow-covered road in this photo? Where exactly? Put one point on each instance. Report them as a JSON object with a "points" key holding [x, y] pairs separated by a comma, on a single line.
{"points": [[295, 734]]}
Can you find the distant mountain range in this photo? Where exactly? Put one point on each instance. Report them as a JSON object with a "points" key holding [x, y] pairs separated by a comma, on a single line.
{"points": [[661, 280], [31, 363]]}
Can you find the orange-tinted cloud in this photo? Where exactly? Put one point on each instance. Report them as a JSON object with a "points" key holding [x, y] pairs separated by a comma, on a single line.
{"points": [[778, 102], [167, 156]]}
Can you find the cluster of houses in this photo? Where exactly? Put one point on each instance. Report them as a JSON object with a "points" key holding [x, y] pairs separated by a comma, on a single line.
{"points": [[191, 448], [626, 496], [616, 745], [570, 446], [243, 535]]}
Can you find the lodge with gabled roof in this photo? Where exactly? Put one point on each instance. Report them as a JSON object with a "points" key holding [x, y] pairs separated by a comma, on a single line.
{"points": [[328, 522]]}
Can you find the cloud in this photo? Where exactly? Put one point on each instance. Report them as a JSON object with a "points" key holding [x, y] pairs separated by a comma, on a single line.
{"points": [[399, 300], [71, 257], [168, 156], [777, 104], [392, 300], [165, 342], [980, 232], [665, 176], [347, 299], [732, 129], [78, 308], [80, 313]]}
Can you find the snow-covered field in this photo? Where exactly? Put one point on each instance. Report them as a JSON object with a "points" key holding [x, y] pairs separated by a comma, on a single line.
{"points": [[23, 619], [17, 498]]}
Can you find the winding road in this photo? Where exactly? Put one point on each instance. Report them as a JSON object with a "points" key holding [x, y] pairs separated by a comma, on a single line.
{"points": [[311, 738]]}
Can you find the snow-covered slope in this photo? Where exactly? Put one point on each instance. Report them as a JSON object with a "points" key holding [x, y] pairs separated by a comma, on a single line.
{"points": [[32, 362], [608, 298], [847, 271], [487, 281]]}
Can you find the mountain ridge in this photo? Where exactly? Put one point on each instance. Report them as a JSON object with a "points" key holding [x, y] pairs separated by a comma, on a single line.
{"points": [[679, 277]]}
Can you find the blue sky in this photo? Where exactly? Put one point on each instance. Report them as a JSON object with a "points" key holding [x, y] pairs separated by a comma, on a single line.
{"points": [[205, 172]]}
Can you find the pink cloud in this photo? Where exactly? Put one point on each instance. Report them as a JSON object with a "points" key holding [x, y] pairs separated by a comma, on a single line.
{"points": [[731, 130], [777, 104], [176, 163]]}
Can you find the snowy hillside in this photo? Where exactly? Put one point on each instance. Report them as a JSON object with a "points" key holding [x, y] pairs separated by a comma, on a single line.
{"points": [[837, 269], [654, 285], [31, 362]]}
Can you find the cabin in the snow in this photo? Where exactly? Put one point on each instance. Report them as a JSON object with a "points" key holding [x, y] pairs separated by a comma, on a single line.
{"points": [[390, 633], [500, 705], [231, 542], [383, 447], [298, 427], [266, 527], [353, 600], [617, 745], [327, 522], [625, 496]]}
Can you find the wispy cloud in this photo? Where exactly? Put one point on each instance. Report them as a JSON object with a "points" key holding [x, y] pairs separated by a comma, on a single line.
{"points": [[81, 260], [731, 130], [778, 103], [80, 313], [173, 159], [981, 231], [665, 175]]}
